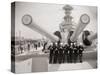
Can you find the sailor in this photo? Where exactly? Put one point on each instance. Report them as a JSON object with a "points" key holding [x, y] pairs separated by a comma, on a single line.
{"points": [[21, 48], [71, 53], [81, 49], [75, 54], [65, 53], [68, 53], [60, 57], [28, 47], [51, 53], [55, 53]]}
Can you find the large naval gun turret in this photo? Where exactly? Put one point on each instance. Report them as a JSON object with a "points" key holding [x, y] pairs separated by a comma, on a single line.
{"points": [[84, 20]]}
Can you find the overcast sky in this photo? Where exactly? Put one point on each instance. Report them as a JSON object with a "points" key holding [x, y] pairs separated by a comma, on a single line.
{"points": [[49, 16]]}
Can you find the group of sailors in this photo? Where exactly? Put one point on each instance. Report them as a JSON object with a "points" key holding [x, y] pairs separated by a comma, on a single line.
{"points": [[65, 53]]}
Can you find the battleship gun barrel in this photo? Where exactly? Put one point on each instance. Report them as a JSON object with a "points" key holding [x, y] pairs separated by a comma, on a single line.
{"points": [[28, 21], [92, 37], [83, 22]]}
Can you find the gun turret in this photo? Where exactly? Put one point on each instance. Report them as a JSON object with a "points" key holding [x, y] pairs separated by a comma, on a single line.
{"points": [[88, 38]]}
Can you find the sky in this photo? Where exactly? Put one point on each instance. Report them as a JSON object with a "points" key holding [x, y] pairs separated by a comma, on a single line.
{"points": [[49, 16]]}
